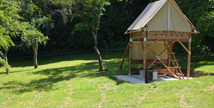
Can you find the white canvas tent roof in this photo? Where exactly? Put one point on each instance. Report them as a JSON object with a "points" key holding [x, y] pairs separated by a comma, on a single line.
{"points": [[162, 15]]}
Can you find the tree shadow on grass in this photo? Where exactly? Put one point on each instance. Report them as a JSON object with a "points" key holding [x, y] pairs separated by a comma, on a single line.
{"points": [[55, 75], [53, 59], [68, 57], [46, 84]]}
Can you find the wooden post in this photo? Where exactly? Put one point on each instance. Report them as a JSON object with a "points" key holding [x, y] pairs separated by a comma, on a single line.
{"points": [[130, 55], [184, 46], [121, 65], [168, 58], [144, 54], [151, 46], [189, 58], [144, 57]]}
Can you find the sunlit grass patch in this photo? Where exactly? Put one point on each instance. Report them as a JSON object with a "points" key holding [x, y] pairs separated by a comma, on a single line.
{"points": [[74, 81]]}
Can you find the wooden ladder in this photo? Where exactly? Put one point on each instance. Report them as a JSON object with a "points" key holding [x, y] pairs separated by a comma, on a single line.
{"points": [[174, 61]]}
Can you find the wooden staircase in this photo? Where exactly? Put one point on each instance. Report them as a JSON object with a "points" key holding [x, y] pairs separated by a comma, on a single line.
{"points": [[172, 59], [174, 69]]}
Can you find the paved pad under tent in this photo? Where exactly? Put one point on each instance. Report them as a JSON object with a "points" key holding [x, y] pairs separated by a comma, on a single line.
{"points": [[134, 79]]}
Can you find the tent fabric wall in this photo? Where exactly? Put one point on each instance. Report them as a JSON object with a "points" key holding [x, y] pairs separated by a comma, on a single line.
{"points": [[137, 51], [146, 15], [162, 15], [169, 19]]}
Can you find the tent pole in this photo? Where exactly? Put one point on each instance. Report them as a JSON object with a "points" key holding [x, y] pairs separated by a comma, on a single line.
{"points": [[189, 58]]}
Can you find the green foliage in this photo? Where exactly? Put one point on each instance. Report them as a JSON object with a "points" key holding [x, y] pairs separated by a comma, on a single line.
{"points": [[206, 24], [9, 19], [35, 22], [58, 18], [201, 14], [31, 36], [4, 63], [35, 16], [90, 11], [6, 41]]}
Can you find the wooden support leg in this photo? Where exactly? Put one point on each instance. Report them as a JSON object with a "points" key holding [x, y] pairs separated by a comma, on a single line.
{"points": [[183, 46], [169, 44], [144, 58], [168, 61], [189, 58], [168, 68], [151, 46], [130, 58], [121, 65]]}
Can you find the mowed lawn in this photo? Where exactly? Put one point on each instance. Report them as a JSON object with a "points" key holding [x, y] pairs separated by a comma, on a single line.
{"points": [[74, 81]]}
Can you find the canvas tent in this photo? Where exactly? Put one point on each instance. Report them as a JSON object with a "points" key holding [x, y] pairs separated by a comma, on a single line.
{"points": [[153, 34]]}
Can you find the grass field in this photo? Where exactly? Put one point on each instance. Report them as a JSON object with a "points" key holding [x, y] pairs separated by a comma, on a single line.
{"points": [[74, 81]]}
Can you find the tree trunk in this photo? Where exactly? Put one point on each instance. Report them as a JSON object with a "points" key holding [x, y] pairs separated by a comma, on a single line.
{"points": [[35, 49], [5, 58], [6, 52], [101, 67]]}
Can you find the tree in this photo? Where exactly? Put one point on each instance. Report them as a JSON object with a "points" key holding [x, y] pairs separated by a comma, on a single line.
{"points": [[201, 14], [90, 11], [9, 19], [33, 37], [35, 22]]}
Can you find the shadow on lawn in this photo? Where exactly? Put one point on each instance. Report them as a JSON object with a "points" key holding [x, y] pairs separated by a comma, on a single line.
{"points": [[90, 55], [55, 75], [53, 59]]}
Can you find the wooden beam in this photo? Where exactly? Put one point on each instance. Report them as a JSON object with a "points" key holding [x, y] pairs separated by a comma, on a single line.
{"points": [[121, 65], [168, 68], [144, 59], [168, 37], [169, 44], [130, 58], [169, 40], [168, 52], [151, 46], [184, 46], [159, 54], [153, 51], [148, 61], [189, 61], [152, 63]]}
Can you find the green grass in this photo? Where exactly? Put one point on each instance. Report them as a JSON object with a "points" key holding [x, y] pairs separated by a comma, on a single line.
{"points": [[206, 67], [74, 81]]}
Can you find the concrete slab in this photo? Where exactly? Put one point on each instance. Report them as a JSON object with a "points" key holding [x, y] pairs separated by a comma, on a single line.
{"points": [[130, 79], [135, 79]]}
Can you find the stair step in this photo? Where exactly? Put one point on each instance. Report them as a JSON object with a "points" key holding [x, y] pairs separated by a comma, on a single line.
{"points": [[171, 67], [174, 60], [179, 74], [171, 52], [178, 67]]}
